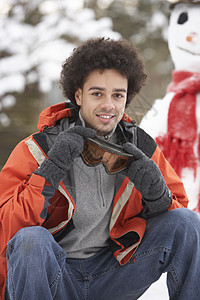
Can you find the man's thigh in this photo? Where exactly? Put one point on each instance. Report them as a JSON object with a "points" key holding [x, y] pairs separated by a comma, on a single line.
{"points": [[151, 259]]}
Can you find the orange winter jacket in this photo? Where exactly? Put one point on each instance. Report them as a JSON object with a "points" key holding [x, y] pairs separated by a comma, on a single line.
{"points": [[23, 201]]}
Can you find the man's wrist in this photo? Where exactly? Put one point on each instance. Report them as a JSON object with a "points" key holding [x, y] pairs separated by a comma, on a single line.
{"points": [[51, 172], [161, 203]]}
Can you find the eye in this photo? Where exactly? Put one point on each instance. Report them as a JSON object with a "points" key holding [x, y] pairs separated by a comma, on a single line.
{"points": [[97, 94], [118, 95], [182, 18]]}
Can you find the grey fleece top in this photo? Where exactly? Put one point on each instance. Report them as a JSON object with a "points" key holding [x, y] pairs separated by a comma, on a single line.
{"points": [[94, 192]]}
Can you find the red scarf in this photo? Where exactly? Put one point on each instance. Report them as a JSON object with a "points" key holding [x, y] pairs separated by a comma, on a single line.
{"points": [[177, 144]]}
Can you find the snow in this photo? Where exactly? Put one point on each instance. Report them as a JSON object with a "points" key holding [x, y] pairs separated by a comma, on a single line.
{"points": [[158, 20], [157, 291], [42, 46], [35, 53], [181, 50], [4, 120], [12, 83], [8, 101], [185, 55]]}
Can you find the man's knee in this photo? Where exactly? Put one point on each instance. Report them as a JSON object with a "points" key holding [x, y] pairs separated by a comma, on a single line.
{"points": [[186, 224], [181, 222], [185, 215], [33, 231], [29, 238]]}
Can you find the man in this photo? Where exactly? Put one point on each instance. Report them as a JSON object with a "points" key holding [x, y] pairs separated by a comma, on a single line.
{"points": [[112, 229]]}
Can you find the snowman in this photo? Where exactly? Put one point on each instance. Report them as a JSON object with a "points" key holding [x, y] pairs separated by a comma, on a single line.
{"points": [[174, 121]]}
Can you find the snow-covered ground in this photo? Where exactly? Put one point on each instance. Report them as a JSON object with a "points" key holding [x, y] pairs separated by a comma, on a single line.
{"points": [[157, 291]]}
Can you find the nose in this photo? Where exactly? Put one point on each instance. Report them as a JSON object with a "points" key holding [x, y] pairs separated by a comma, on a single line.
{"points": [[107, 103], [192, 37]]}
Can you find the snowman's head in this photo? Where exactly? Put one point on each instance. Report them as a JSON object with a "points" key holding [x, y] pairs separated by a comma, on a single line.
{"points": [[184, 36]]}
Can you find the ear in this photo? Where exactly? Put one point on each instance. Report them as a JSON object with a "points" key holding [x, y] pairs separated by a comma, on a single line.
{"points": [[78, 96]]}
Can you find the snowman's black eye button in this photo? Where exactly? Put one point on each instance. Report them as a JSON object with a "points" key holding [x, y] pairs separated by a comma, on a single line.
{"points": [[183, 18]]}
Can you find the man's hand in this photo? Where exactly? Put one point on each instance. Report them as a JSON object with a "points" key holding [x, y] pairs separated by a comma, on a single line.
{"points": [[145, 174], [68, 146]]}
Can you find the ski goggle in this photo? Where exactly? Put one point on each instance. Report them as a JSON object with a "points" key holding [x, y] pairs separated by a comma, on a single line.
{"points": [[112, 156]]}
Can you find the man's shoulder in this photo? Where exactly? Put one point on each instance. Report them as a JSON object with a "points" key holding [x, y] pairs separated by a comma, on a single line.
{"points": [[139, 137], [145, 142]]}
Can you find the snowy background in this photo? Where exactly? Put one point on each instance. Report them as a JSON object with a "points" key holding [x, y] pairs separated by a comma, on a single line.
{"points": [[35, 52], [37, 36]]}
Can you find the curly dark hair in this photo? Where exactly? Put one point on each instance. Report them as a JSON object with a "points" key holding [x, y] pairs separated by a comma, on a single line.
{"points": [[101, 54]]}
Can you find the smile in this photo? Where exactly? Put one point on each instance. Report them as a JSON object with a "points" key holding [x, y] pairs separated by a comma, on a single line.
{"points": [[104, 116], [188, 51]]}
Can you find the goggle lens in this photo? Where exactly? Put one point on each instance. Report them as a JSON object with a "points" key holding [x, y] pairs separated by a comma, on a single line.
{"points": [[94, 153]]}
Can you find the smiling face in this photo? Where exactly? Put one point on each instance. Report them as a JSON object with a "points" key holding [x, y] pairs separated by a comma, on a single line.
{"points": [[102, 99], [184, 37]]}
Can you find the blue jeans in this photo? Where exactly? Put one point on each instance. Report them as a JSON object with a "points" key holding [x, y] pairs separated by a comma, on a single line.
{"points": [[38, 268]]}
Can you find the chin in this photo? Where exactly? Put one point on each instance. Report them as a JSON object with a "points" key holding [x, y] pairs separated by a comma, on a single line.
{"points": [[104, 131]]}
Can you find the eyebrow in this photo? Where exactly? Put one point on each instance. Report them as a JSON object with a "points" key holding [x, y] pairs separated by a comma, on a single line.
{"points": [[103, 89]]}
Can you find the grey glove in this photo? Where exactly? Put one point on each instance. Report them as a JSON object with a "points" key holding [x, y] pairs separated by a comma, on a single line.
{"points": [[146, 176], [68, 146]]}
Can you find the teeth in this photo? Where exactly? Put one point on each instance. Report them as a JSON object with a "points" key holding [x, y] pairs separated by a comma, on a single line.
{"points": [[105, 117]]}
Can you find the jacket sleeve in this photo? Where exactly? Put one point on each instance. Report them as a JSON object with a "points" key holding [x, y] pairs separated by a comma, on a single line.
{"points": [[174, 183], [22, 195]]}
